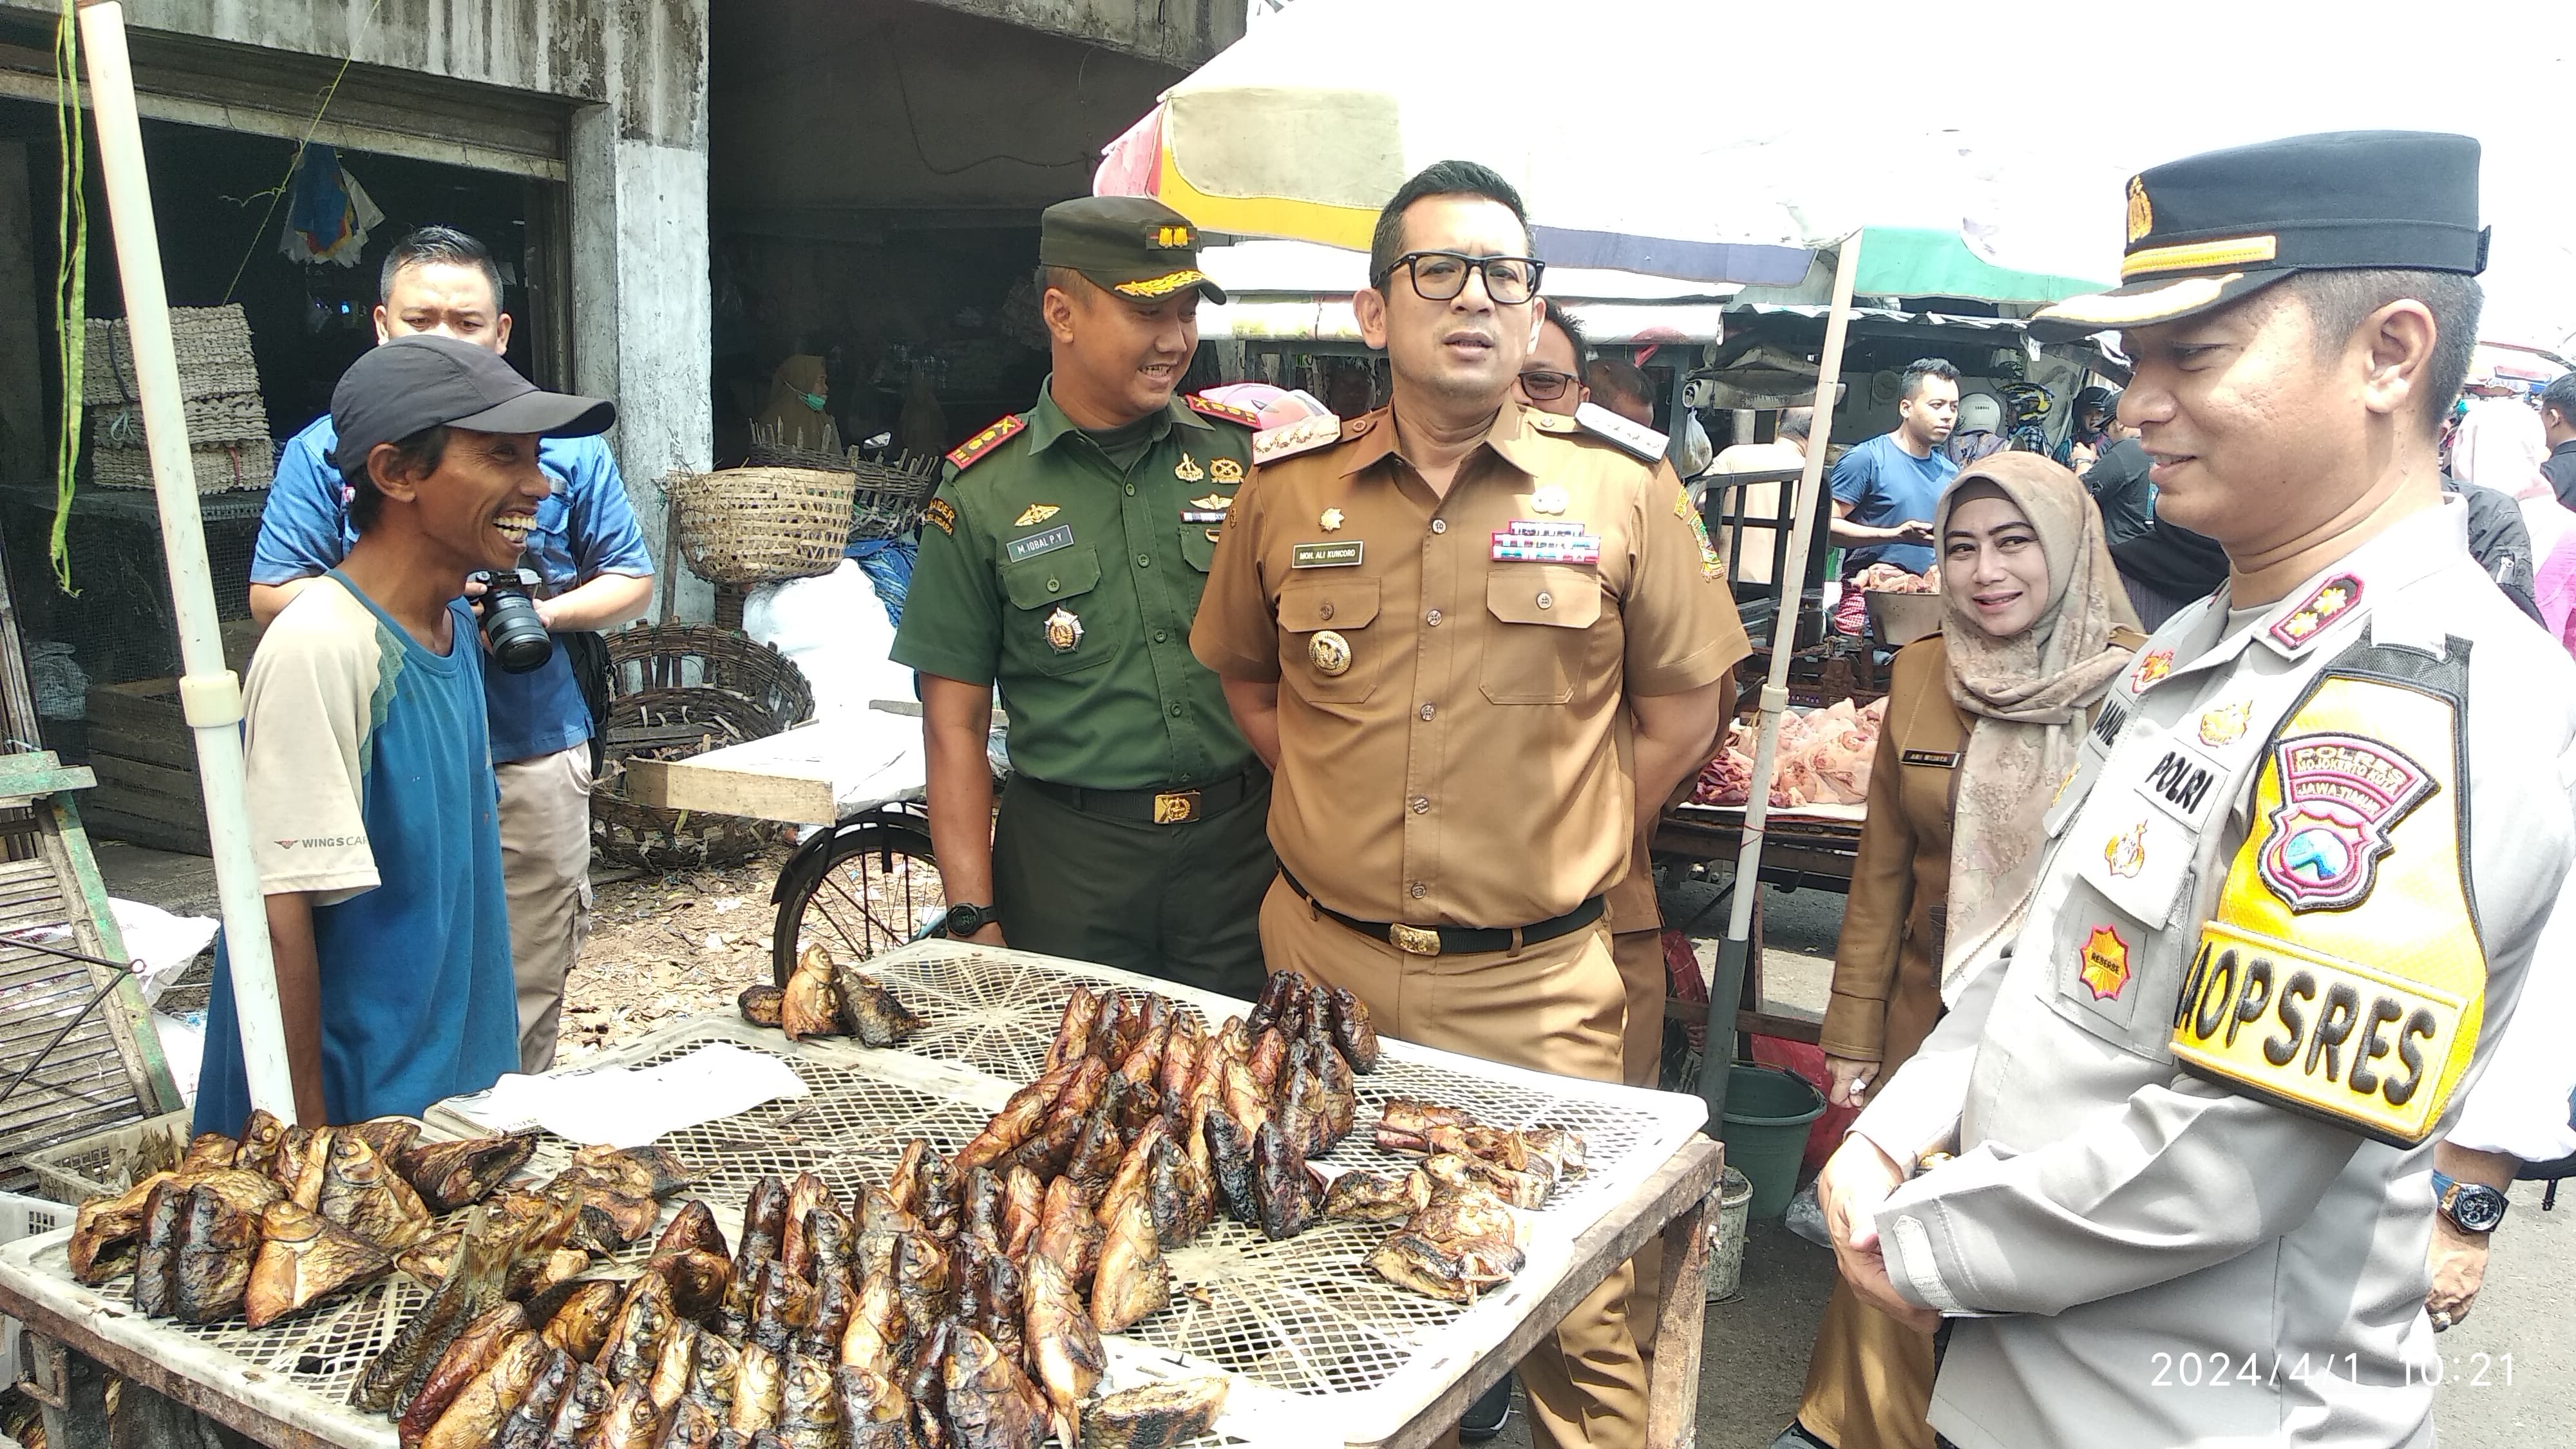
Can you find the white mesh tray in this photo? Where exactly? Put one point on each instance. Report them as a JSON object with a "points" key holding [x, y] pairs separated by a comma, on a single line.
{"points": [[1322, 1349]]}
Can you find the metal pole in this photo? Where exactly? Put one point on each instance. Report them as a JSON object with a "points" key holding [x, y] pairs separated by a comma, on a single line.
{"points": [[209, 693], [1732, 953]]}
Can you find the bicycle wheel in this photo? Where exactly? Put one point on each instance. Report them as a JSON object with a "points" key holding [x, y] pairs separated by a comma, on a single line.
{"points": [[859, 890]]}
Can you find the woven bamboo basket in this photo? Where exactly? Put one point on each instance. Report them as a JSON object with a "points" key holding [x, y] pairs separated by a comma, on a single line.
{"points": [[757, 525], [677, 690]]}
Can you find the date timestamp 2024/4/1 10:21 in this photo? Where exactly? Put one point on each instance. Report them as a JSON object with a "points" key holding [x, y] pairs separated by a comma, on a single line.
{"points": [[2191, 1370]]}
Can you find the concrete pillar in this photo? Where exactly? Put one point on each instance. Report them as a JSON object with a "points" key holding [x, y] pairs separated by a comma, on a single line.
{"points": [[640, 316]]}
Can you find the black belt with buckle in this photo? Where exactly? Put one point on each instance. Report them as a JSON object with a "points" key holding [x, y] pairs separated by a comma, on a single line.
{"points": [[1154, 807], [1456, 940]]}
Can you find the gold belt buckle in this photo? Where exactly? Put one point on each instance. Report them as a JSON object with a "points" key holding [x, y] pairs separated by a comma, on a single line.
{"points": [[1414, 940], [1174, 807]]}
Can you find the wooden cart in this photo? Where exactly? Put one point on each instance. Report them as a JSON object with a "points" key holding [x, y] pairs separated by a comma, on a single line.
{"points": [[1319, 1350]]}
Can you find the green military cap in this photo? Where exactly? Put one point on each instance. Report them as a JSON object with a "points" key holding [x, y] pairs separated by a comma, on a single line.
{"points": [[2208, 229], [1132, 245]]}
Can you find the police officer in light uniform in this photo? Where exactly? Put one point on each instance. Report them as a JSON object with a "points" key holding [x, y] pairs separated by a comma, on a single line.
{"points": [[1062, 562], [2167, 1162], [1478, 641]]}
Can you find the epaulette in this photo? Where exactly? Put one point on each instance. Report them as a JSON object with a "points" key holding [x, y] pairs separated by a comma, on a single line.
{"points": [[1635, 438], [1302, 436], [986, 441], [1208, 407]]}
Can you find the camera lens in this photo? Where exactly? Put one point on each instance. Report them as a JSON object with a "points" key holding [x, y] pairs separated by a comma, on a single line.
{"points": [[519, 641]]}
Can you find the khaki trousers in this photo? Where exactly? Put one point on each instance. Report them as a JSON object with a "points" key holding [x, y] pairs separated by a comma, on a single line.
{"points": [[1555, 1007], [1869, 1379], [1640, 958], [545, 870]]}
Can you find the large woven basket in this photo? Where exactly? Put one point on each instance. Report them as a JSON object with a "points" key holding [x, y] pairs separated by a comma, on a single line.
{"points": [[757, 525], [892, 497], [677, 690]]}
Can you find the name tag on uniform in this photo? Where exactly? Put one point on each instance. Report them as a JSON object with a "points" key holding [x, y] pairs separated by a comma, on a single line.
{"points": [[1060, 536], [1324, 555], [1531, 548], [1202, 515], [1937, 759]]}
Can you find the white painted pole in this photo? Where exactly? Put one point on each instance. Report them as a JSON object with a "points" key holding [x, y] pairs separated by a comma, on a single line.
{"points": [[1732, 953], [209, 692]]}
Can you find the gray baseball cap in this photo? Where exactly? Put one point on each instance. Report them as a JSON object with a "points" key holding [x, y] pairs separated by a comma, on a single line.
{"points": [[423, 380]]}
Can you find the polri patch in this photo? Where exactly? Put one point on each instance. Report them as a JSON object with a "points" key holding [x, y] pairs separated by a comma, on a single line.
{"points": [[2340, 795], [1060, 536], [1325, 555]]}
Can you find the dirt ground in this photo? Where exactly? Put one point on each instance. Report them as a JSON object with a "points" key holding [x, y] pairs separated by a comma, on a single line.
{"points": [[663, 946]]}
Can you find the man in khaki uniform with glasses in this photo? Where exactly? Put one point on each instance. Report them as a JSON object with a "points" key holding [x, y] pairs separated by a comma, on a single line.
{"points": [[1475, 641]]}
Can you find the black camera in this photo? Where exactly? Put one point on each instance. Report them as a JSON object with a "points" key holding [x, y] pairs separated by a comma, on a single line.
{"points": [[517, 637]]}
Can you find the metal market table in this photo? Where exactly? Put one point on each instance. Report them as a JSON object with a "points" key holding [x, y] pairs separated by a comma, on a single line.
{"points": [[1319, 1349]]}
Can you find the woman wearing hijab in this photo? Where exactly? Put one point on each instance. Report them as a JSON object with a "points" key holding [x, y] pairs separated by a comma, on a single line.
{"points": [[795, 416], [1983, 723]]}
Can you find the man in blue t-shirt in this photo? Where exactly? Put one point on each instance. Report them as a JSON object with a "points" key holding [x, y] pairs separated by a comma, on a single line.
{"points": [[582, 540], [366, 767], [1884, 489]]}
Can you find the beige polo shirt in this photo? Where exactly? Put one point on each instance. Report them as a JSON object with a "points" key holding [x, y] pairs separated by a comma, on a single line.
{"points": [[1454, 745]]}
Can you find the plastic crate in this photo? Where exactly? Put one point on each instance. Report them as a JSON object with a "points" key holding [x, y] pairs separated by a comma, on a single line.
{"points": [[23, 1217], [107, 1163]]}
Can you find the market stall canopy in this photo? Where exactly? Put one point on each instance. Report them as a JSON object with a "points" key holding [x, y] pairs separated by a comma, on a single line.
{"points": [[1305, 127], [1929, 262], [1294, 291]]}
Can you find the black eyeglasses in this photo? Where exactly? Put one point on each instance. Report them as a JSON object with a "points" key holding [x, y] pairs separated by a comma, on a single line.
{"points": [[1545, 386], [1441, 276]]}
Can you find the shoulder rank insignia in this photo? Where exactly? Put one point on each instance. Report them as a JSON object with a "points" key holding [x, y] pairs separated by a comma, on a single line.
{"points": [[2341, 975], [986, 441], [1210, 408], [1644, 442], [1302, 436], [2332, 600]]}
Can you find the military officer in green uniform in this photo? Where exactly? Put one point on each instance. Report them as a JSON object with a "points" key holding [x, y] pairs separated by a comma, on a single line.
{"points": [[1062, 563]]}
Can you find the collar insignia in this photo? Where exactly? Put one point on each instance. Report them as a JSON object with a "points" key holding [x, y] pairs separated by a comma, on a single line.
{"points": [[983, 443], [2153, 665], [1642, 442], [1302, 436], [1208, 407], [2332, 600]]}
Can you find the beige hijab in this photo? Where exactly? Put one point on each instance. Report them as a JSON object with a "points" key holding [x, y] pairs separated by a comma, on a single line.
{"points": [[2030, 696]]}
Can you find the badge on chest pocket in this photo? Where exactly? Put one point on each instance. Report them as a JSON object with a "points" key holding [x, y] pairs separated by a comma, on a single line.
{"points": [[2139, 829]]}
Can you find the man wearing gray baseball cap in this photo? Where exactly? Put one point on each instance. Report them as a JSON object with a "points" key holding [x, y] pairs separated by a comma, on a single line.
{"points": [[373, 806]]}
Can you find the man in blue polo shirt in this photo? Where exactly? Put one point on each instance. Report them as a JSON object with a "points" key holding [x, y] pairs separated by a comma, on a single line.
{"points": [[583, 541], [1884, 488]]}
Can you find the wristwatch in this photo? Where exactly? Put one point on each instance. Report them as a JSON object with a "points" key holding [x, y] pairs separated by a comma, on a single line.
{"points": [[2472, 1207], [966, 918]]}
